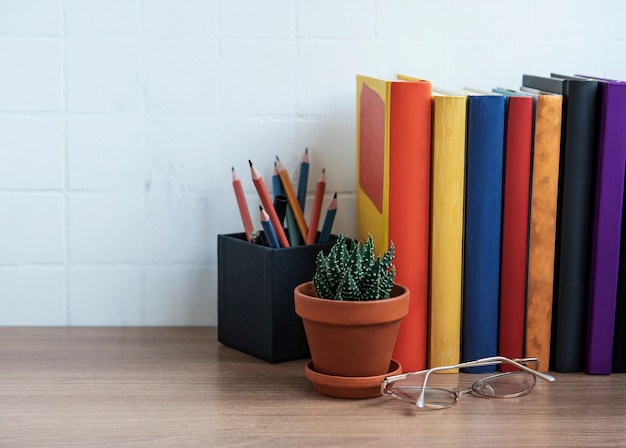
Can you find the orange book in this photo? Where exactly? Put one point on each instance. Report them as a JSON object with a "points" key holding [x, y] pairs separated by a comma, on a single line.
{"points": [[542, 236], [393, 193]]}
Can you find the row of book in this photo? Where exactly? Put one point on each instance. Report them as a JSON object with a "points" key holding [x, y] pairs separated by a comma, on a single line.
{"points": [[505, 208]]}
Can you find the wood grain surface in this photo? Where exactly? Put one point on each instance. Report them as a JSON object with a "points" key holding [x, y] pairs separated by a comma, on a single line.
{"points": [[178, 387]]}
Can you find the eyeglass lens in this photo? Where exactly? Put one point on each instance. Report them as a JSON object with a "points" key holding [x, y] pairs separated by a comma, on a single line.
{"points": [[505, 385], [434, 398]]}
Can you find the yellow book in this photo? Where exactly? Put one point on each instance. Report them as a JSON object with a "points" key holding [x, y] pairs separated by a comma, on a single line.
{"points": [[372, 170], [446, 240]]}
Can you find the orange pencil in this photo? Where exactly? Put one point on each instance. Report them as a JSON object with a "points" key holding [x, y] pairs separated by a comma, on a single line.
{"points": [[317, 208], [243, 206], [293, 199], [268, 205]]}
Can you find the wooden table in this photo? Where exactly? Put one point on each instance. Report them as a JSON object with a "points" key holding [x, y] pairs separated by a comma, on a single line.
{"points": [[179, 387]]}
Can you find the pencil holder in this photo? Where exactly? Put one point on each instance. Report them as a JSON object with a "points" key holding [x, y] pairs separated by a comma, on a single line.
{"points": [[255, 309]]}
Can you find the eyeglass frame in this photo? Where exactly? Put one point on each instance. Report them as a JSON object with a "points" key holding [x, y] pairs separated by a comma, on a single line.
{"points": [[493, 360]]}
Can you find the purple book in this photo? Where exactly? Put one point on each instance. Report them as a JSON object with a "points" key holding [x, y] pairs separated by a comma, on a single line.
{"points": [[607, 222]]}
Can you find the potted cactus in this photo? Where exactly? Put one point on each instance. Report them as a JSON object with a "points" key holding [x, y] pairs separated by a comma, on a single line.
{"points": [[351, 313]]}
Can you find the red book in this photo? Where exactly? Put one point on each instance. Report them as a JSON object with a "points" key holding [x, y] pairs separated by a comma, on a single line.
{"points": [[515, 220], [393, 193]]}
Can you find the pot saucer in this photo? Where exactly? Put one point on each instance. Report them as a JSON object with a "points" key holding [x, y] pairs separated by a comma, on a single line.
{"points": [[349, 386]]}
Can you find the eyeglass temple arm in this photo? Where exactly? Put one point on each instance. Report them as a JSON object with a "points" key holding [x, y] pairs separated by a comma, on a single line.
{"points": [[519, 363]]}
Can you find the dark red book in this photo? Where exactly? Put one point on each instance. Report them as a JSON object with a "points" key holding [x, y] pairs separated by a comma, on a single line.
{"points": [[515, 219]]}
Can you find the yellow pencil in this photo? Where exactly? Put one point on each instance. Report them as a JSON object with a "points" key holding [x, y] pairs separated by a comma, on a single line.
{"points": [[293, 199]]}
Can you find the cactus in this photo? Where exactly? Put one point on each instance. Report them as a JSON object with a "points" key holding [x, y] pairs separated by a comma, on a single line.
{"points": [[355, 272]]}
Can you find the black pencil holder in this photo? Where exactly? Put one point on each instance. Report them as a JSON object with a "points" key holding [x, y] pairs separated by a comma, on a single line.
{"points": [[255, 310]]}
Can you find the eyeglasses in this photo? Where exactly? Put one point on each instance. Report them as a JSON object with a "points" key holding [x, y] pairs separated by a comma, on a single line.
{"points": [[502, 385]]}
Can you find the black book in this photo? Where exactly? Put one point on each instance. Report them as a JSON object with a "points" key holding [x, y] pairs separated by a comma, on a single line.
{"points": [[574, 216]]}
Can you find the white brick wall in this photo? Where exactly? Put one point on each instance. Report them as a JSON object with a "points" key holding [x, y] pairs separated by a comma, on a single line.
{"points": [[120, 120]]}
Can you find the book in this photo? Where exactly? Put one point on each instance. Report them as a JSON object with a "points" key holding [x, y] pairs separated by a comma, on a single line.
{"points": [[575, 201], [393, 192], [544, 182], [606, 232], [483, 211], [515, 221], [619, 335], [446, 237]]}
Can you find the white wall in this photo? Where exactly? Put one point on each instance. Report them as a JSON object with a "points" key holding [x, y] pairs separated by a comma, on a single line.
{"points": [[120, 121]]}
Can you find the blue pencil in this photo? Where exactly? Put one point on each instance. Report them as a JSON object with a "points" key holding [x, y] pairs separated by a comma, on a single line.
{"points": [[329, 220], [270, 235], [304, 178], [276, 185]]}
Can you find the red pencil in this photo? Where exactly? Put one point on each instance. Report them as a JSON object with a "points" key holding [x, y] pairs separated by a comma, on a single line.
{"points": [[317, 208], [243, 206], [268, 205]]}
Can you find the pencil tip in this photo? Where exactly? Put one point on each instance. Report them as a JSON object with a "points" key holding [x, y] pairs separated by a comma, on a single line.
{"points": [[232, 168], [323, 170], [277, 158], [335, 195], [250, 162], [261, 207], [306, 150]]}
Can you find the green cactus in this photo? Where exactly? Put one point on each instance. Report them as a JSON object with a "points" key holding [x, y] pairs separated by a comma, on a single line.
{"points": [[354, 273]]}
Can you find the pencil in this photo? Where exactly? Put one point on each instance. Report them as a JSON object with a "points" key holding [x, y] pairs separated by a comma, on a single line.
{"points": [[329, 220], [276, 185], [267, 204], [293, 199], [280, 207], [304, 179], [292, 229], [243, 206], [317, 208], [270, 235]]}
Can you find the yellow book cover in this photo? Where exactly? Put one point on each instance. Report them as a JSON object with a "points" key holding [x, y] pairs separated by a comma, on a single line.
{"points": [[393, 193], [372, 162], [446, 239]]}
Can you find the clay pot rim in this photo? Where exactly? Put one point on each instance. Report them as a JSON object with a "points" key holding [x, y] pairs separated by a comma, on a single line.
{"points": [[338, 312], [398, 288]]}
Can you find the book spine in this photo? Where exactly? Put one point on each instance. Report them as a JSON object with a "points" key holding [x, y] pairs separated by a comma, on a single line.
{"points": [[542, 235], [607, 229], [515, 219], [409, 209], [446, 240], [574, 226], [483, 209], [619, 336]]}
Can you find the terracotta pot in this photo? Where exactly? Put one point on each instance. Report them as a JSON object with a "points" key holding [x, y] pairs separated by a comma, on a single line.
{"points": [[351, 339]]}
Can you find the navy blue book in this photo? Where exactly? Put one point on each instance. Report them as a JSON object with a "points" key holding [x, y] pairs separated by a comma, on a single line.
{"points": [[575, 206], [483, 216]]}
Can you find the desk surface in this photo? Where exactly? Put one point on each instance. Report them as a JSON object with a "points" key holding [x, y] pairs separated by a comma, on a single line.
{"points": [[179, 387]]}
